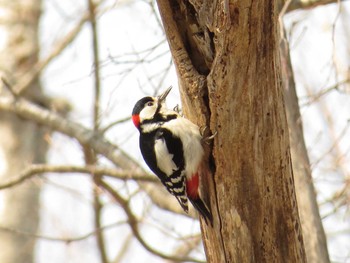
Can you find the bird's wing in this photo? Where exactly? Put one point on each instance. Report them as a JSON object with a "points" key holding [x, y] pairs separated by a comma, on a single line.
{"points": [[164, 158], [163, 153]]}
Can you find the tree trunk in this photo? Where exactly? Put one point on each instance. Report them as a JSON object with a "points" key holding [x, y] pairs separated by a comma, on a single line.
{"points": [[227, 60], [21, 141], [314, 236]]}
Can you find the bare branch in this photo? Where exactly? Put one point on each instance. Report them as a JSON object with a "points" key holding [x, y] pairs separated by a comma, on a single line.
{"points": [[30, 111], [96, 59], [336, 86], [187, 247], [59, 239], [90, 155], [25, 109], [123, 249], [133, 223], [119, 121], [61, 45], [36, 169]]}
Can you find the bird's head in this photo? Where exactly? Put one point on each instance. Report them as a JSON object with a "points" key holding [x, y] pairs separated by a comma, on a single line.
{"points": [[147, 108]]}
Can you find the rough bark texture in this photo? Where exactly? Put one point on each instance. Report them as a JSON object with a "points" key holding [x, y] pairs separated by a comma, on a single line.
{"points": [[227, 59], [21, 142], [314, 236]]}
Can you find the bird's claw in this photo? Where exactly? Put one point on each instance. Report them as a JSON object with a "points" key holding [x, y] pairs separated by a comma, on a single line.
{"points": [[177, 108], [206, 138], [202, 130]]}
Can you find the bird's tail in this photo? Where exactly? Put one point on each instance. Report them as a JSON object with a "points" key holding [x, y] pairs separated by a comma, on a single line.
{"points": [[182, 199], [192, 189], [203, 210]]}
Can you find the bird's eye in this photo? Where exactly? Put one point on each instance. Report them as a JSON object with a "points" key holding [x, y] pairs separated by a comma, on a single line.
{"points": [[150, 104]]}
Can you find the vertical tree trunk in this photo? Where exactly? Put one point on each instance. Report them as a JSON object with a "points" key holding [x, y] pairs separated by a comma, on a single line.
{"points": [[227, 59], [21, 141], [314, 236]]}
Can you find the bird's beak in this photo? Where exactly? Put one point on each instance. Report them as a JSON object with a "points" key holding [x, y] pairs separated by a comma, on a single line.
{"points": [[163, 96]]}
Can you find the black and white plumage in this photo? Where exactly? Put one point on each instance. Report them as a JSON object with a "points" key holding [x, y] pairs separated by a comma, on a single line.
{"points": [[171, 146]]}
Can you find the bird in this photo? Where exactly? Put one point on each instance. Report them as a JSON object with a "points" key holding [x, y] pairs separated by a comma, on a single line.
{"points": [[171, 146]]}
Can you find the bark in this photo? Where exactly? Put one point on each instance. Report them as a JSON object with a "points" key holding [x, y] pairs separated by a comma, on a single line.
{"points": [[314, 236], [227, 60], [21, 142]]}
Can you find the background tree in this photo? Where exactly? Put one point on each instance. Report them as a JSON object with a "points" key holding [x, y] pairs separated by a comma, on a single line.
{"points": [[21, 141], [313, 233], [119, 212]]}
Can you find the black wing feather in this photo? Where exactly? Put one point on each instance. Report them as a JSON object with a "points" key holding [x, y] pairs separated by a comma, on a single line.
{"points": [[174, 145]]}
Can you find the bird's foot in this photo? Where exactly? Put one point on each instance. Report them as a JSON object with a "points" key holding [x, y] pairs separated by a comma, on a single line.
{"points": [[206, 138], [178, 110]]}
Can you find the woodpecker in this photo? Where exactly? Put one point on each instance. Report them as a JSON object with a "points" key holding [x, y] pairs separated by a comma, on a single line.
{"points": [[171, 146]]}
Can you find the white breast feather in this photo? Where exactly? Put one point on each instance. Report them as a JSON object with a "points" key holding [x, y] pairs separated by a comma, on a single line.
{"points": [[164, 158], [191, 139]]}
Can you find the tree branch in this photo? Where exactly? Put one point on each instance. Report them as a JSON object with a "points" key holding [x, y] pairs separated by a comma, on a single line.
{"points": [[187, 247], [58, 239], [25, 109], [133, 223], [61, 45], [36, 169], [90, 156], [30, 111]]}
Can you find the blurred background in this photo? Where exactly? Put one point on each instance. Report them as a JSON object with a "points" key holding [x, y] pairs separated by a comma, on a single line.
{"points": [[90, 61]]}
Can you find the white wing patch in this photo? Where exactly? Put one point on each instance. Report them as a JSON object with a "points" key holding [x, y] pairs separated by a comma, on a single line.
{"points": [[164, 158]]}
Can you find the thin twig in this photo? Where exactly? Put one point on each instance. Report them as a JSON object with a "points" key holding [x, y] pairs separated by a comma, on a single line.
{"points": [[133, 223], [8, 86], [187, 247], [316, 97], [123, 249], [60, 46], [37, 169], [58, 239], [122, 120], [27, 110], [90, 156]]}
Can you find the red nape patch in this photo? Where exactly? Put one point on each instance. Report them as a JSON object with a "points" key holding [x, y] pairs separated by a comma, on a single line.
{"points": [[136, 120], [192, 186]]}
